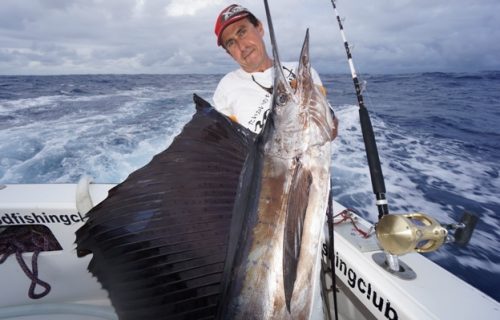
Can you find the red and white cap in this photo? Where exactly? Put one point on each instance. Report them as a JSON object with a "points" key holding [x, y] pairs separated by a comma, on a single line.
{"points": [[227, 16]]}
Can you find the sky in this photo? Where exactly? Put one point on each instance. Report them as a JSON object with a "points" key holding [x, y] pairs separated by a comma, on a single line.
{"points": [[42, 37]]}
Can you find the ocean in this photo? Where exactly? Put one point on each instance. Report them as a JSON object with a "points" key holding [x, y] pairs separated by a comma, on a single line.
{"points": [[438, 137]]}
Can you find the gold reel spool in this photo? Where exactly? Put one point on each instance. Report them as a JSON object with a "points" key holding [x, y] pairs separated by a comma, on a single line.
{"points": [[399, 234]]}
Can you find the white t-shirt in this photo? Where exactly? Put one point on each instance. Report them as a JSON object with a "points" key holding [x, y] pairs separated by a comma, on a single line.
{"points": [[248, 100]]}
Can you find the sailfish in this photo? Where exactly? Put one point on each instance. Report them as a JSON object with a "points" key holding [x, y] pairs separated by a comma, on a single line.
{"points": [[223, 224]]}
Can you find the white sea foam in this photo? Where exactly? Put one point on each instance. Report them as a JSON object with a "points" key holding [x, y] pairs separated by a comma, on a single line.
{"points": [[106, 139]]}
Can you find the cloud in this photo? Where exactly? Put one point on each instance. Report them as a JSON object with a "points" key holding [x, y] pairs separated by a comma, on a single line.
{"points": [[178, 8], [157, 36]]}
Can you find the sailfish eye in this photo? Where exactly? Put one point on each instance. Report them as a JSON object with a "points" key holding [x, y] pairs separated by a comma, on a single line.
{"points": [[282, 98]]}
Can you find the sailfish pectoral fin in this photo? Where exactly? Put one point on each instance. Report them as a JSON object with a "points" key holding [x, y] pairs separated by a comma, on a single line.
{"points": [[294, 224]]}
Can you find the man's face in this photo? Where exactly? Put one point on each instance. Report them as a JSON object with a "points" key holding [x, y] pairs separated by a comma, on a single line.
{"points": [[244, 42]]}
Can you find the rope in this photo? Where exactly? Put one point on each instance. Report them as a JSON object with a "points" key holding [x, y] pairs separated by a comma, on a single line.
{"points": [[347, 216], [31, 238]]}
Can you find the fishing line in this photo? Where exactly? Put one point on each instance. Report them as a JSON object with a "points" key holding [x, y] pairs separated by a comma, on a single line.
{"points": [[372, 156], [331, 250]]}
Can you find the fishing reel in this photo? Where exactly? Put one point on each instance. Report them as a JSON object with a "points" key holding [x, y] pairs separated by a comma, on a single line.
{"points": [[399, 234]]}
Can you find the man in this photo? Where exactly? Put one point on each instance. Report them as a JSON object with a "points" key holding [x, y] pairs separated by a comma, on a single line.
{"points": [[245, 95]]}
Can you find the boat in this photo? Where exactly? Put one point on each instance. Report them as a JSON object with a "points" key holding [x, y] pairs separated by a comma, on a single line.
{"points": [[367, 272], [364, 287]]}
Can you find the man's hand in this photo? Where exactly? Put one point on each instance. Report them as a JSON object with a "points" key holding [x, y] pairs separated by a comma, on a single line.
{"points": [[335, 128]]}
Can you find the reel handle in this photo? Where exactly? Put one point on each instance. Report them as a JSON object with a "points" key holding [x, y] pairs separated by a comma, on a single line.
{"points": [[464, 229]]}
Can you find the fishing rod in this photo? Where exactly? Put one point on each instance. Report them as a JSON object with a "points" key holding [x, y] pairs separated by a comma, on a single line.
{"points": [[390, 227], [377, 177]]}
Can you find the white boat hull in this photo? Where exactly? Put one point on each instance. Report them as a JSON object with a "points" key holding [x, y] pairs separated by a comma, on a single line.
{"points": [[366, 290]]}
